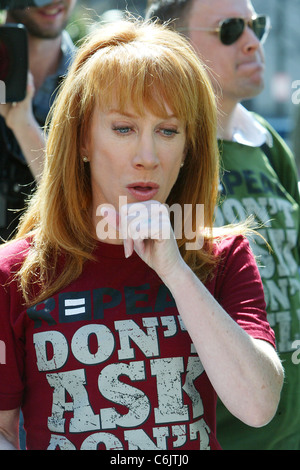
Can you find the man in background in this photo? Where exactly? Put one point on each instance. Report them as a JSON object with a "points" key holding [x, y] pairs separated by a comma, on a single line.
{"points": [[259, 177], [50, 51]]}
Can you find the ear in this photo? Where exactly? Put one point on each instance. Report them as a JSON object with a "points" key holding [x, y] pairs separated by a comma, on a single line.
{"points": [[84, 150]]}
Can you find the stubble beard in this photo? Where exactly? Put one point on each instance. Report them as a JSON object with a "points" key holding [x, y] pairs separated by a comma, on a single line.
{"points": [[34, 29]]}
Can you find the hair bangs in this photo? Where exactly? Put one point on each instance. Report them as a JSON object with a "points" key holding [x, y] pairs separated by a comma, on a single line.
{"points": [[155, 70], [137, 75]]}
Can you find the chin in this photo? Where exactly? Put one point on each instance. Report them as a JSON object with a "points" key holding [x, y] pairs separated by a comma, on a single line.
{"points": [[254, 90]]}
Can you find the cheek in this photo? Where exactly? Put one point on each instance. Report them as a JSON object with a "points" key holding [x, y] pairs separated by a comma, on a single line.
{"points": [[221, 68], [98, 152], [172, 174], [106, 165]]}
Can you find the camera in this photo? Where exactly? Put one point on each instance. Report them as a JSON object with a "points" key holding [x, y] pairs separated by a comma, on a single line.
{"points": [[14, 53], [13, 62]]}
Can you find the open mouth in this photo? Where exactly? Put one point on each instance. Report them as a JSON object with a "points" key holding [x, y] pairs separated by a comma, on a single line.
{"points": [[143, 191]]}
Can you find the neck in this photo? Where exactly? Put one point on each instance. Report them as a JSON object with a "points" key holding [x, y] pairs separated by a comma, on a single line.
{"points": [[226, 113], [38, 50]]}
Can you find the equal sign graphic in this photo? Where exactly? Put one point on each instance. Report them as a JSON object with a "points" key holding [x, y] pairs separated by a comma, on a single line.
{"points": [[74, 306]]}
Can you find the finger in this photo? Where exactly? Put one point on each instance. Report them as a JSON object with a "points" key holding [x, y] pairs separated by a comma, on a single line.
{"points": [[139, 246], [30, 85], [145, 224], [128, 247], [144, 221], [127, 240], [113, 217]]}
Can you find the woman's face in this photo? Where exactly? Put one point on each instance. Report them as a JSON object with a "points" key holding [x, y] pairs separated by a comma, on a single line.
{"points": [[134, 156]]}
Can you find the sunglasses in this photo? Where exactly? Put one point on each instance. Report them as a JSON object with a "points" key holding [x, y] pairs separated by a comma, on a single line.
{"points": [[231, 29]]}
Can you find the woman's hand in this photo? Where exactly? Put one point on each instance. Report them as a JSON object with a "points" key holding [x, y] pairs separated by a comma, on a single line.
{"points": [[145, 228], [245, 372]]}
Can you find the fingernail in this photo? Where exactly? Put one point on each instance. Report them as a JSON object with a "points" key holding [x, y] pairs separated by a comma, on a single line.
{"points": [[126, 251]]}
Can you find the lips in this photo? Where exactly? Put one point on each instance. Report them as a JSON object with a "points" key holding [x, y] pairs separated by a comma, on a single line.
{"points": [[143, 191], [51, 10], [250, 65]]}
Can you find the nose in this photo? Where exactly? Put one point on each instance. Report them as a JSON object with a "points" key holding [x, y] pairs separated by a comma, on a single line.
{"points": [[251, 42], [146, 156]]}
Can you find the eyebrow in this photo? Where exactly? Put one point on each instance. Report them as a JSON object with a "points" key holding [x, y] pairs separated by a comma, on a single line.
{"points": [[117, 111]]}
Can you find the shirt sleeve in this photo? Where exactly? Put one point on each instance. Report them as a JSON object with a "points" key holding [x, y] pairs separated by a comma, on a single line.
{"points": [[239, 289], [12, 342]]}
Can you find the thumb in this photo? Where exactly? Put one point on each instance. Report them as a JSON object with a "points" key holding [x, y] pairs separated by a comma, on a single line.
{"points": [[30, 86]]}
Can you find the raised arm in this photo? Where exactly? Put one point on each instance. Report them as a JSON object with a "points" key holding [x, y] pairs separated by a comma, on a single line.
{"points": [[20, 119], [245, 372]]}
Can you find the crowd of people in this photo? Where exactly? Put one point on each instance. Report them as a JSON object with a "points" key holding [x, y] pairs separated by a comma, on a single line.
{"points": [[117, 335]]}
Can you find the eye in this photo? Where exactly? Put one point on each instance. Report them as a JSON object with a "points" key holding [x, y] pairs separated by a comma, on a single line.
{"points": [[122, 129], [169, 132]]}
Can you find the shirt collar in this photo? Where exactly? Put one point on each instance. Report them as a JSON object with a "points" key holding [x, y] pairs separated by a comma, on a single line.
{"points": [[247, 130]]}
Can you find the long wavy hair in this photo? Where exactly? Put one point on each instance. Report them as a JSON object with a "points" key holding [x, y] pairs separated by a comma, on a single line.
{"points": [[147, 65]]}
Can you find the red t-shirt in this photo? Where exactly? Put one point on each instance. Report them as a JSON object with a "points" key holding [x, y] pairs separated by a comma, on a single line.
{"points": [[107, 362]]}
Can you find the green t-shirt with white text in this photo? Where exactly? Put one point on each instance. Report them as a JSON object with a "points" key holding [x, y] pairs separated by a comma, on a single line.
{"points": [[251, 185]]}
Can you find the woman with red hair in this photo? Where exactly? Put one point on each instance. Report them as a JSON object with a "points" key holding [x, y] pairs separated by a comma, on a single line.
{"points": [[118, 336]]}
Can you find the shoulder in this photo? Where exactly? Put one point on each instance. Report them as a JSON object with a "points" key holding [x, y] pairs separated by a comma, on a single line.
{"points": [[277, 140], [237, 272], [282, 160], [237, 286], [264, 123], [68, 49], [226, 245], [67, 43], [234, 255]]}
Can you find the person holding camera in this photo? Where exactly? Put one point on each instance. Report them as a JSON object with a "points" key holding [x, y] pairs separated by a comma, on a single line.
{"points": [[50, 51]]}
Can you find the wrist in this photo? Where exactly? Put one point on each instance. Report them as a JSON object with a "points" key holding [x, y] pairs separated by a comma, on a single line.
{"points": [[177, 275], [23, 124]]}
